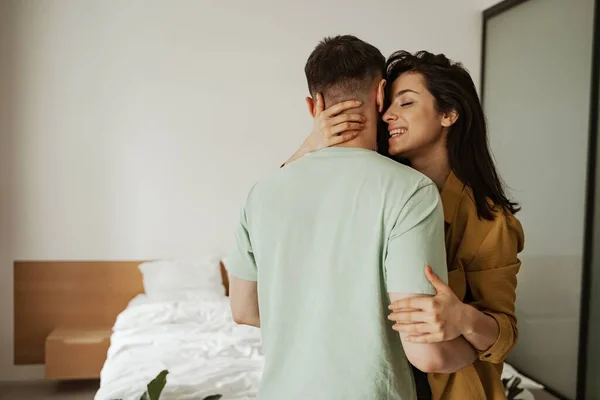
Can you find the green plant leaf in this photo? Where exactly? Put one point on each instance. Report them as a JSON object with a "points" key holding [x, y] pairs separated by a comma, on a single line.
{"points": [[156, 386], [213, 397]]}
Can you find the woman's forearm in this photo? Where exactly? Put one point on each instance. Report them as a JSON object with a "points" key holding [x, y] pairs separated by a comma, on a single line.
{"points": [[479, 329], [458, 353], [299, 153]]}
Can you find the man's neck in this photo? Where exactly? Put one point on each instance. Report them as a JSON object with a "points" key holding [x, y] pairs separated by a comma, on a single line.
{"points": [[353, 144], [434, 164], [366, 139]]}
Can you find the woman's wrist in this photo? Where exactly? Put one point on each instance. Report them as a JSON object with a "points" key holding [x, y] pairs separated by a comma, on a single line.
{"points": [[478, 328], [466, 319]]}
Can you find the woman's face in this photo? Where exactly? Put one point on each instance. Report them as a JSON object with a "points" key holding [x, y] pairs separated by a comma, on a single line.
{"points": [[414, 124]]}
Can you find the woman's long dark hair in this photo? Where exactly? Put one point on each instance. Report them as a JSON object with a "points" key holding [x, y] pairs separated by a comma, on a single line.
{"points": [[468, 150]]}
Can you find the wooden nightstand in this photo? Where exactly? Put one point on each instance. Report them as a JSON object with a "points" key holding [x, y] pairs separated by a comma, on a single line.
{"points": [[76, 353]]}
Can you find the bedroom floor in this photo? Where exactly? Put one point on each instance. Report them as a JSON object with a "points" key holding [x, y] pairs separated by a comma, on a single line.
{"points": [[42, 390], [85, 390]]}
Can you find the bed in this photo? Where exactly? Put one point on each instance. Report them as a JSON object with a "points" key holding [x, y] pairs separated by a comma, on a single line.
{"points": [[182, 323], [170, 315]]}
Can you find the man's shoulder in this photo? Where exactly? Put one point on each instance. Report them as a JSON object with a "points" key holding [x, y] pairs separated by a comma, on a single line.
{"points": [[402, 177], [391, 176], [273, 181], [398, 169]]}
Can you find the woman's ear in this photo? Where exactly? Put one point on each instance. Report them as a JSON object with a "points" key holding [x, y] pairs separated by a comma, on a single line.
{"points": [[449, 118], [381, 95]]}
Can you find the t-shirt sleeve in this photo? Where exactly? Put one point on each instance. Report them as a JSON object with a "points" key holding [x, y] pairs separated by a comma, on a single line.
{"points": [[416, 240], [241, 261]]}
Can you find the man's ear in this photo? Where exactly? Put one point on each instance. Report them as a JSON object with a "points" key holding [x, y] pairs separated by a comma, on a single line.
{"points": [[381, 95], [312, 109], [449, 118]]}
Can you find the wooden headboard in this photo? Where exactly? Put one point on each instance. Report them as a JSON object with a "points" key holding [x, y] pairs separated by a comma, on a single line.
{"points": [[70, 294]]}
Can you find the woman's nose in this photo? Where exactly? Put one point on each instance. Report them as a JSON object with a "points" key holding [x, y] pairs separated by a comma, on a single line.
{"points": [[388, 117]]}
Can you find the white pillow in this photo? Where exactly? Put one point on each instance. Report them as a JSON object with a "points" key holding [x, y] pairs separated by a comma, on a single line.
{"points": [[170, 276]]}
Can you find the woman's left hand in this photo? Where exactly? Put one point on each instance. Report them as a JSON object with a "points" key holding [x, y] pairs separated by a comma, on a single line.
{"points": [[429, 319]]}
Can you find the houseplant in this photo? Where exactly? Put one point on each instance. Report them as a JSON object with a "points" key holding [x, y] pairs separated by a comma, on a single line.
{"points": [[156, 386]]}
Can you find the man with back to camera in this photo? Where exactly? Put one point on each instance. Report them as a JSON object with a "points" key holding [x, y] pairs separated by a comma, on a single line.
{"points": [[326, 243]]}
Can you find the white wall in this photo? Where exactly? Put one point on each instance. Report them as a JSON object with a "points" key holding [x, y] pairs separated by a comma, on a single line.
{"points": [[139, 125], [485, 4]]}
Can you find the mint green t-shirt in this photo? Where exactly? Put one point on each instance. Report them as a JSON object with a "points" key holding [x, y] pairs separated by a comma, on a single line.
{"points": [[327, 238]]}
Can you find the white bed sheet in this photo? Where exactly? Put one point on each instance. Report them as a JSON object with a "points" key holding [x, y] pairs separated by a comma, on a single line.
{"points": [[198, 342], [195, 339], [527, 384]]}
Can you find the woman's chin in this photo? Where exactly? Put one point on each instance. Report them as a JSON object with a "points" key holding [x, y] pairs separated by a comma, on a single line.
{"points": [[396, 147], [396, 151]]}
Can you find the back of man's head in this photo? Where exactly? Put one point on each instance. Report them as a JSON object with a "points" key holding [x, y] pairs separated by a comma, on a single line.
{"points": [[343, 68]]}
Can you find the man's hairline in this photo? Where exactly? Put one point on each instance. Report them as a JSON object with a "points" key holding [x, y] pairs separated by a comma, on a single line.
{"points": [[376, 79]]}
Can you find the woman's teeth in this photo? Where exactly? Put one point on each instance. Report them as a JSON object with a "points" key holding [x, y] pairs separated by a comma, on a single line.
{"points": [[396, 132]]}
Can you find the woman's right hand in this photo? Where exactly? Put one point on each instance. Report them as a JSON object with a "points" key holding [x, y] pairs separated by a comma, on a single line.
{"points": [[331, 127]]}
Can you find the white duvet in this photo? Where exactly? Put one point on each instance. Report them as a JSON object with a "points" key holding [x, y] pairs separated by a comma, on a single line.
{"points": [[198, 342], [195, 339]]}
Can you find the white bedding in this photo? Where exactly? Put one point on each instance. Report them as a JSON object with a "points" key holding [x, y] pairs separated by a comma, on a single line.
{"points": [[198, 342], [509, 372], [195, 339]]}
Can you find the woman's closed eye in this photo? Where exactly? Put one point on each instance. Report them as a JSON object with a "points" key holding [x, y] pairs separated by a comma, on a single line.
{"points": [[406, 104]]}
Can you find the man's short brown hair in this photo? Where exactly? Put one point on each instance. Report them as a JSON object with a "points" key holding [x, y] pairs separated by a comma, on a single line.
{"points": [[343, 67]]}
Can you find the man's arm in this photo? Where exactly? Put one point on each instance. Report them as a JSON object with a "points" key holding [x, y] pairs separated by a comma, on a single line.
{"points": [[243, 295], [417, 239], [443, 357], [244, 301]]}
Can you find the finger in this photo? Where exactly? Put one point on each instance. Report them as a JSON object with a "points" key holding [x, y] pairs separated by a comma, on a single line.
{"points": [[320, 106], [344, 127], [425, 338], [413, 316], [343, 137], [414, 328], [418, 302], [346, 118], [341, 107], [435, 280]]}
